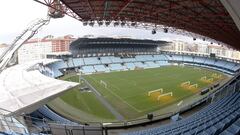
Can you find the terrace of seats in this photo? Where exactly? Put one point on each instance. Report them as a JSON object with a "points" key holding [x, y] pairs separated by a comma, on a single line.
{"points": [[90, 65], [221, 117]]}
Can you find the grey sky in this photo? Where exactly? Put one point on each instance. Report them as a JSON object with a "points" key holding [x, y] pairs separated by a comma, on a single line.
{"points": [[17, 14]]}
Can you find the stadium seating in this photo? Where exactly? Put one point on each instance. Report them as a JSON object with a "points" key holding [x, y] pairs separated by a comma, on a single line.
{"points": [[177, 57], [233, 129], [220, 63], [209, 61], [152, 64], [88, 69], [116, 67], [151, 61], [219, 117], [199, 60], [56, 66], [78, 62], [236, 67], [169, 57], [187, 58], [144, 57], [159, 57], [130, 66], [70, 63], [116, 59], [100, 68], [229, 65], [140, 65], [91, 61], [46, 112], [105, 60], [162, 63], [129, 60]]}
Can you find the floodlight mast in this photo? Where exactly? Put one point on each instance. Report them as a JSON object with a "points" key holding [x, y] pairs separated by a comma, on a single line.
{"points": [[28, 33]]}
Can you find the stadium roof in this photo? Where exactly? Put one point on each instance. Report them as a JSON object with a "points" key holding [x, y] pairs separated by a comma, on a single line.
{"points": [[206, 18], [23, 88]]}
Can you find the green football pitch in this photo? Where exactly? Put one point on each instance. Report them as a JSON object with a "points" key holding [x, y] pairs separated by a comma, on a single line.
{"points": [[128, 92]]}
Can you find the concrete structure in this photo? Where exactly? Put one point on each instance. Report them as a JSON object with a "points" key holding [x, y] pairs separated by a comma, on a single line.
{"points": [[36, 49]]}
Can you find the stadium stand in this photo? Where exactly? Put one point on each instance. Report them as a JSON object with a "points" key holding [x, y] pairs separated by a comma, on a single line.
{"points": [[152, 64], [159, 57], [177, 57], [129, 59], [199, 60], [141, 61], [144, 57], [105, 60], [220, 63], [91, 61], [162, 63], [116, 67], [219, 117], [47, 113], [130, 66], [88, 69], [116, 59], [140, 65], [187, 58], [209, 62], [78, 62], [70, 63], [100, 68]]}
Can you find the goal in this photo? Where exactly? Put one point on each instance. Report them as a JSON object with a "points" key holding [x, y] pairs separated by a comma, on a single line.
{"points": [[164, 95], [155, 91], [193, 86], [203, 78], [184, 84], [217, 76], [103, 83]]}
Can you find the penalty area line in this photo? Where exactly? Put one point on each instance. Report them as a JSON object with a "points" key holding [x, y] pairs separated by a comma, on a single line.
{"points": [[118, 96]]}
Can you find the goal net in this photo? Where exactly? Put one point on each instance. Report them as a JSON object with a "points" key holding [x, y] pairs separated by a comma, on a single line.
{"points": [[184, 84], [193, 86], [203, 78], [206, 80], [155, 91], [165, 95], [217, 76]]}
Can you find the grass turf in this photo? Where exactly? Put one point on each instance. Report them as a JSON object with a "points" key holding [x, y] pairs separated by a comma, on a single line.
{"points": [[127, 91], [86, 102]]}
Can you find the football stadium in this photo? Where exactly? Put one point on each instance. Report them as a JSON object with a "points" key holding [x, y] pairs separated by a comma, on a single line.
{"points": [[122, 85]]}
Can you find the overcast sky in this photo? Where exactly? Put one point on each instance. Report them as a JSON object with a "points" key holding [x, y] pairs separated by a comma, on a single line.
{"points": [[17, 14]]}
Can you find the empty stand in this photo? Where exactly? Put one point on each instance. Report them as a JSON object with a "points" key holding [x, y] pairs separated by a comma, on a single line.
{"points": [[221, 117]]}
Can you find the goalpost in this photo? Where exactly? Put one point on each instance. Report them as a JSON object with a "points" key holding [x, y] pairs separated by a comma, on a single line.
{"points": [[154, 91], [203, 78], [166, 94], [103, 83], [193, 86], [187, 83], [215, 75], [210, 80]]}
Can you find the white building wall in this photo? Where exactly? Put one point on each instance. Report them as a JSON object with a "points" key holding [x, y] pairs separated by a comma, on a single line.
{"points": [[34, 51]]}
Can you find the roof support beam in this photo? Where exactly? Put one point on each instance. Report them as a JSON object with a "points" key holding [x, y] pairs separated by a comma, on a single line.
{"points": [[232, 7], [91, 8], [126, 3]]}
